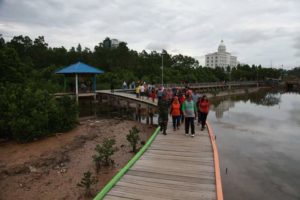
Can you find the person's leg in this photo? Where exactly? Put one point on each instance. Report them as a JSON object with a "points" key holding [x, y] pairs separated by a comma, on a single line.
{"points": [[177, 122], [174, 122], [199, 118], [165, 123], [192, 126], [186, 123], [204, 120]]}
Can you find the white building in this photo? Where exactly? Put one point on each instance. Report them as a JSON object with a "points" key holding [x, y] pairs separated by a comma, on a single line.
{"points": [[114, 43], [220, 58]]}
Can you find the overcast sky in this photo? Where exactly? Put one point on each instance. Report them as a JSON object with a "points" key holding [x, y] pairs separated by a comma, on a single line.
{"points": [[256, 31]]}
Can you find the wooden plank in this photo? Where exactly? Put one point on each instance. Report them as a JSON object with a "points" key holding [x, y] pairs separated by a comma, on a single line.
{"points": [[197, 161], [167, 183], [171, 172], [179, 186], [112, 197], [147, 192], [178, 162], [177, 153], [167, 164], [169, 176]]}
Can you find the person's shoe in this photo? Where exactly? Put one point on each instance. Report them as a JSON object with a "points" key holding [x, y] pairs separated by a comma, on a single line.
{"points": [[164, 133], [193, 135], [186, 134], [174, 129], [202, 129], [178, 128]]}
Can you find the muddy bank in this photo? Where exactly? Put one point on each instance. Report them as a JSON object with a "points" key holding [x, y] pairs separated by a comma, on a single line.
{"points": [[52, 167]]}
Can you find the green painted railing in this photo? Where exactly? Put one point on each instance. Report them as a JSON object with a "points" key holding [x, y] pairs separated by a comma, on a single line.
{"points": [[121, 173]]}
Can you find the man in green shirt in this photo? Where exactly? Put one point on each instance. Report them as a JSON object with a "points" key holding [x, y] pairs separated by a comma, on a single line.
{"points": [[189, 109]]}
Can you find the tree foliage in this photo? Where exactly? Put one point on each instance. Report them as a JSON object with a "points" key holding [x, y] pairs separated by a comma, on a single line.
{"points": [[104, 153], [27, 79], [86, 182], [133, 138], [28, 108]]}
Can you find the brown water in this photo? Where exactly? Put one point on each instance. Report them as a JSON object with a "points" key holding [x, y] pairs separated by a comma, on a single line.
{"points": [[258, 137]]}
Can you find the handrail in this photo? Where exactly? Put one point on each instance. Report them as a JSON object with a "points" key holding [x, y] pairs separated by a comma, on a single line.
{"points": [[219, 189], [121, 173]]}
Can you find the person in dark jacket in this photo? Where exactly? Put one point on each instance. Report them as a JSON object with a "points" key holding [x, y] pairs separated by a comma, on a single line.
{"points": [[163, 107], [204, 109]]}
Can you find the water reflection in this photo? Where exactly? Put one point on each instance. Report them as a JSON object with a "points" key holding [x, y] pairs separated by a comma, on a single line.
{"points": [[263, 97], [259, 143]]}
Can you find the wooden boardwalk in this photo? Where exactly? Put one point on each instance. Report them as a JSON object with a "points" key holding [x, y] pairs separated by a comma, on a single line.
{"points": [[175, 166]]}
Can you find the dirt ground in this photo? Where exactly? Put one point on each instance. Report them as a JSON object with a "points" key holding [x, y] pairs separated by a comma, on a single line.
{"points": [[52, 167]]}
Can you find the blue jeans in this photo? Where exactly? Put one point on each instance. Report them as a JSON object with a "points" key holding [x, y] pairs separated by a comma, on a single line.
{"points": [[176, 121]]}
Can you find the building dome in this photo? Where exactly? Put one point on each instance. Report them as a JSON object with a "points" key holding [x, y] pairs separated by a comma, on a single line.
{"points": [[222, 47]]}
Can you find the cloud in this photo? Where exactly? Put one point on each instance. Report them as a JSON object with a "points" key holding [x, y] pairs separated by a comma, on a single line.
{"points": [[297, 46], [191, 27], [156, 46], [250, 37]]}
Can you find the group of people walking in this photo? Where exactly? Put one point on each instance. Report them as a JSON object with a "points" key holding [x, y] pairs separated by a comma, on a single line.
{"points": [[180, 104], [182, 108]]}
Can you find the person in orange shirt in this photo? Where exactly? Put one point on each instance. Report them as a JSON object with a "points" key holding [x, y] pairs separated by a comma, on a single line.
{"points": [[175, 113], [153, 94], [204, 109]]}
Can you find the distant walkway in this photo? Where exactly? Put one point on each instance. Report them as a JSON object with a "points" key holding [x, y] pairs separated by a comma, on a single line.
{"points": [[174, 167], [128, 96]]}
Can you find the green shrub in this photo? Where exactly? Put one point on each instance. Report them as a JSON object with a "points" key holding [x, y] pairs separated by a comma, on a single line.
{"points": [[104, 153], [86, 182], [133, 138], [28, 113]]}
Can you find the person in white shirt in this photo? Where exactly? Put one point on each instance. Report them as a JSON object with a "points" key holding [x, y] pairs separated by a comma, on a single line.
{"points": [[124, 85], [142, 91]]}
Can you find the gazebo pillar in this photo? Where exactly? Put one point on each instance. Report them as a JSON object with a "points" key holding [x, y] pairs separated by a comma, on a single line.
{"points": [[76, 86]]}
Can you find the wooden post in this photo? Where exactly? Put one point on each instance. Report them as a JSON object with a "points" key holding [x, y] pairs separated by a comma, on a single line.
{"points": [[76, 85], [65, 83], [128, 104], [100, 98], [147, 115], [94, 83]]}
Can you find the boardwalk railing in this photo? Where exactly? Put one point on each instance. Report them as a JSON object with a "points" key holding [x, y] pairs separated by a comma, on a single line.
{"points": [[219, 189], [121, 173], [212, 84]]}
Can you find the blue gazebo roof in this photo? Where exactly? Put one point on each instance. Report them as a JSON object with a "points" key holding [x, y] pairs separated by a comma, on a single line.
{"points": [[79, 68]]}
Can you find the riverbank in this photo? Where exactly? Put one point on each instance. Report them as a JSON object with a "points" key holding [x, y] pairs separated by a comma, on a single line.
{"points": [[52, 167]]}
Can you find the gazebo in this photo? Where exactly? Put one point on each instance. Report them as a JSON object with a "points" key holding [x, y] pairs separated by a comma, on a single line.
{"points": [[77, 69]]}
